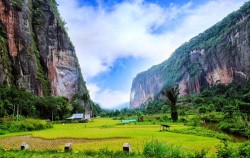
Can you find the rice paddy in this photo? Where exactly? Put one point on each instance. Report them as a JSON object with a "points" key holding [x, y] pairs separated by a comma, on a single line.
{"points": [[105, 133]]}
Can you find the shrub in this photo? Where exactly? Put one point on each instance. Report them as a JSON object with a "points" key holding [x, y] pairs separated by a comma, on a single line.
{"points": [[202, 132], [224, 151], [235, 126], [23, 125], [2, 132], [194, 121], [212, 117], [157, 149], [244, 150]]}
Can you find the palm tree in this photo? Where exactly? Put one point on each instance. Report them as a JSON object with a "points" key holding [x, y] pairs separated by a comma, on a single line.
{"points": [[170, 95]]}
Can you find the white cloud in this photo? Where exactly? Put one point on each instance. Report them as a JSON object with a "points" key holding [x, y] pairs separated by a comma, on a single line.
{"points": [[100, 36], [107, 98]]}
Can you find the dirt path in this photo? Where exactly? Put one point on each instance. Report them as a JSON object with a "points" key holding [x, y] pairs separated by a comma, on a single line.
{"points": [[44, 144]]}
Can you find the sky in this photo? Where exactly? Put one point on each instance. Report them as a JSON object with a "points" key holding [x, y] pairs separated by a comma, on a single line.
{"points": [[117, 39]]}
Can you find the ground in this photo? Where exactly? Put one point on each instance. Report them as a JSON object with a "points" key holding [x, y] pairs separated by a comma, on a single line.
{"points": [[105, 133]]}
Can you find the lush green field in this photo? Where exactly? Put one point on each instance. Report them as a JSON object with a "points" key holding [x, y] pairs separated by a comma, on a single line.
{"points": [[105, 133]]}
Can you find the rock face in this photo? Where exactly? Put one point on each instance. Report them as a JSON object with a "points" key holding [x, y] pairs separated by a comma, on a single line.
{"points": [[219, 55], [36, 53]]}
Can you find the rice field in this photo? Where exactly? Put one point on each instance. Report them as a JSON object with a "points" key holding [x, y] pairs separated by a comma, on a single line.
{"points": [[105, 133]]}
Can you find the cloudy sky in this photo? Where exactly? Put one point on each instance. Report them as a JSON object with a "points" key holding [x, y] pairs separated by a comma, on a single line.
{"points": [[116, 39]]}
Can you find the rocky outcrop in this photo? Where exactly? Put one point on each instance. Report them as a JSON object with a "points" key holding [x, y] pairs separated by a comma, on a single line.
{"points": [[36, 52], [219, 55]]}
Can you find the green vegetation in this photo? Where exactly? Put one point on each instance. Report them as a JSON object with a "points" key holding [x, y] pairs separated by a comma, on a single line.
{"points": [[152, 149], [37, 12], [52, 154], [171, 95], [159, 149], [202, 132], [53, 5], [181, 62], [111, 137], [15, 102], [8, 125], [4, 58], [146, 141], [225, 150], [227, 106], [18, 4]]}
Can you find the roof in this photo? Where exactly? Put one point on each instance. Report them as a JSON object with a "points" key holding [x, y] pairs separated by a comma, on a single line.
{"points": [[128, 121], [76, 116]]}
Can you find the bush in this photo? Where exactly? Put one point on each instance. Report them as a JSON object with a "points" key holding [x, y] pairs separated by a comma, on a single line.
{"points": [[235, 126], [212, 117], [224, 151], [157, 149], [244, 150], [202, 132], [2, 132], [194, 121], [23, 125]]}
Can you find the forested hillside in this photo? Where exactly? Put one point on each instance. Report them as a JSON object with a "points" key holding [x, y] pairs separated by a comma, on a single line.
{"points": [[219, 55]]}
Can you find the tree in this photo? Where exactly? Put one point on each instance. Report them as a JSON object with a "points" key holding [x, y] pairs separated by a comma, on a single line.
{"points": [[164, 108], [96, 109], [139, 116], [170, 95]]}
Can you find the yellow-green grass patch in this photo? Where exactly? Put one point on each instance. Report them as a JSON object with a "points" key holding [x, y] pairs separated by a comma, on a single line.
{"points": [[112, 134]]}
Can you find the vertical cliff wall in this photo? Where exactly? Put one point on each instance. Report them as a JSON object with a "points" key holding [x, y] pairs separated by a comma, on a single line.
{"points": [[36, 53], [219, 55]]}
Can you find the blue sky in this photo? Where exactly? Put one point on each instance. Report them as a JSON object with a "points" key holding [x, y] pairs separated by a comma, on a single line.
{"points": [[116, 39]]}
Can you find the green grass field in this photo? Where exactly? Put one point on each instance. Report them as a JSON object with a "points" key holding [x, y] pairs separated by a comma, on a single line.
{"points": [[105, 133]]}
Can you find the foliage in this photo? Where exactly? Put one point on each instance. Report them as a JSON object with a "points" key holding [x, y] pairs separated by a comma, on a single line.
{"points": [[224, 151], [58, 154], [14, 101], [5, 58], [158, 149], [171, 95], [53, 5], [226, 105], [153, 106], [96, 109], [173, 69], [202, 132], [212, 117], [18, 4], [244, 150], [113, 136], [8, 125], [37, 12]]}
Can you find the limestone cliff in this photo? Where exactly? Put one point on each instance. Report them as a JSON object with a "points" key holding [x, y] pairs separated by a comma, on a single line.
{"points": [[36, 53], [221, 54]]}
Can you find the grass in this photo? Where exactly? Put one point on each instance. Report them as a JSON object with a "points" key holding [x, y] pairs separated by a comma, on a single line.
{"points": [[200, 131], [105, 133]]}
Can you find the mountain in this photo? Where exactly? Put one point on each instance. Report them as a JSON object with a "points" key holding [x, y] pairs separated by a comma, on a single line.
{"points": [[36, 52], [121, 106], [221, 54]]}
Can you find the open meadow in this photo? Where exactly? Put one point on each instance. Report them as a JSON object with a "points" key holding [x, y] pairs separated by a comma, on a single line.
{"points": [[105, 133]]}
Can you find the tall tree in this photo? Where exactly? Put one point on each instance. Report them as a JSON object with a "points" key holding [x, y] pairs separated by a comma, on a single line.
{"points": [[170, 95]]}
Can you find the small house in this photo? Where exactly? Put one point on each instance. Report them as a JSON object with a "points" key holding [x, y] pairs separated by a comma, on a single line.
{"points": [[78, 116]]}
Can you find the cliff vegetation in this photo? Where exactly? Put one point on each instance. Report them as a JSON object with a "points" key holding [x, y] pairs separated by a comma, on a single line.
{"points": [[218, 55]]}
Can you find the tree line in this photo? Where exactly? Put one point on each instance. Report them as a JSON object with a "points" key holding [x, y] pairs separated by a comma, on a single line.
{"points": [[15, 102]]}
